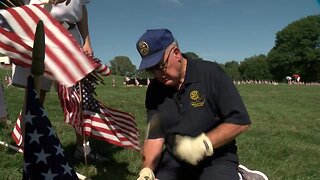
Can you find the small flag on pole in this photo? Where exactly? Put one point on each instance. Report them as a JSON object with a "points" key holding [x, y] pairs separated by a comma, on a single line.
{"points": [[97, 120]]}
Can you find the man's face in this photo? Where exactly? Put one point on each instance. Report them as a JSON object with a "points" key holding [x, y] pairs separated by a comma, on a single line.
{"points": [[168, 71]]}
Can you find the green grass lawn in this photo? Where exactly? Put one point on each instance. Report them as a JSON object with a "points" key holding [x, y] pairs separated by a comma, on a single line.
{"points": [[283, 140]]}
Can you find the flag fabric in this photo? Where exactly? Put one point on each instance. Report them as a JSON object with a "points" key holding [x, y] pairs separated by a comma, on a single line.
{"points": [[70, 105], [97, 120], [43, 153], [64, 58], [102, 69], [16, 133]]}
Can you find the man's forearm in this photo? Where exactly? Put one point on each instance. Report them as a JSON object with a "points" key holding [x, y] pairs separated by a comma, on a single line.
{"points": [[151, 154], [225, 133]]}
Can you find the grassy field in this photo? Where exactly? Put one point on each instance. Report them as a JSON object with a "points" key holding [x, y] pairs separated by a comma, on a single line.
{"points": [[283, 140]]}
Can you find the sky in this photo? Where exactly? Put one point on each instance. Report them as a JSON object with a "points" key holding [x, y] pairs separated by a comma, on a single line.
{"points": [[216, 30]]}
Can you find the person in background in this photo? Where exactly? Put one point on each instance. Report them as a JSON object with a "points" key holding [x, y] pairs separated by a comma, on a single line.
{"points": [[194, 114], [289, 79]]}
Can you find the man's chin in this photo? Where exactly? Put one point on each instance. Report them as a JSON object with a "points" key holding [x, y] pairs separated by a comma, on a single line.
{"points": [[169, 83]]}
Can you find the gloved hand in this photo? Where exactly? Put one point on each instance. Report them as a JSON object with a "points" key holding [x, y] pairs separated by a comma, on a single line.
{"points": [[146, 174], [193, 149]]}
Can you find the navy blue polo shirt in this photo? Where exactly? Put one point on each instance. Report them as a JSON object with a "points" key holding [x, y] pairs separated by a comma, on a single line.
{"points": [[206, 99]]}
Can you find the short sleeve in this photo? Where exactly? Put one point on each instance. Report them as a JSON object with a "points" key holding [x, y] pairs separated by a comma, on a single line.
{"points": [[153, 117], [154, 125], [228, 100]]}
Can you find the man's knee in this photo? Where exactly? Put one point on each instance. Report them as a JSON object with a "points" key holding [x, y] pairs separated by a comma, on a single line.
{"points": [[221, 171]]}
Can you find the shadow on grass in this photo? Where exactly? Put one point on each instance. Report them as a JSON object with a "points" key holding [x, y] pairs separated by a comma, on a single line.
{"points": [[110, 169]]}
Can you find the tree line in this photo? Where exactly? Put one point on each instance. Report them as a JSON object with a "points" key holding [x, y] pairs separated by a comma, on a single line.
{"points": [[296, 51]]}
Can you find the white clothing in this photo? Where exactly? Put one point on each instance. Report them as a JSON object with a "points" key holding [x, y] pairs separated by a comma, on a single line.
{"points": [[70, 13], [288, 78]]}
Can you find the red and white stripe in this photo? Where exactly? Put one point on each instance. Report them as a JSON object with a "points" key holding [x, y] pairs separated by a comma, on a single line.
{"points": [[113, 126], [12, 46], [109, 125], [16, 133], [70, 105], [103, 70], [64, 59]]}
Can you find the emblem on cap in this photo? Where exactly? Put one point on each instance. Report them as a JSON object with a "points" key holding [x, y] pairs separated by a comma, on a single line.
{"points": [[143, 48]]}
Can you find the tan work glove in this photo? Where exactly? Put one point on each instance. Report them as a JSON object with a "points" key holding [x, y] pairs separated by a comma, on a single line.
{"points": [[146, 174], [193, 149]]}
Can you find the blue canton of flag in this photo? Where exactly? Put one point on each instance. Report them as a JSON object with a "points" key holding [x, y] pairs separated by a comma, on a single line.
{"points": [[43, 153]]}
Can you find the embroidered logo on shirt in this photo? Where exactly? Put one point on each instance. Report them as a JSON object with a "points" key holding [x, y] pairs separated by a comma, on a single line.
{"points": [[197, 99]]}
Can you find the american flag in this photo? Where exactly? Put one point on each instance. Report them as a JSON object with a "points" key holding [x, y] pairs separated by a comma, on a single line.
{"points": [[43, 153], [64, 59], [16, 132], [97, 120], [70, 106]]}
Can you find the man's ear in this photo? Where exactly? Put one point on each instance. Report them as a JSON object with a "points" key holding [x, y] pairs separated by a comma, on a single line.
{"points": [[177, 53]]}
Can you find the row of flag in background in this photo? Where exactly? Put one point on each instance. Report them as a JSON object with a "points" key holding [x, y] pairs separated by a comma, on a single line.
{"points": [[67, 64]]}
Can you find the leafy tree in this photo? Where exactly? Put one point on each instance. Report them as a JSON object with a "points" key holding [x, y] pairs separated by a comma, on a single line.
{"points": [[297, 50], [192, 55], [122, 66], [221, 65], [232, 69], [145, 74], [255, 68]]}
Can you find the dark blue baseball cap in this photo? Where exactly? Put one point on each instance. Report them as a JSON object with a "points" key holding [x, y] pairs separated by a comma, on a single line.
{"points": [[152, 45]]}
